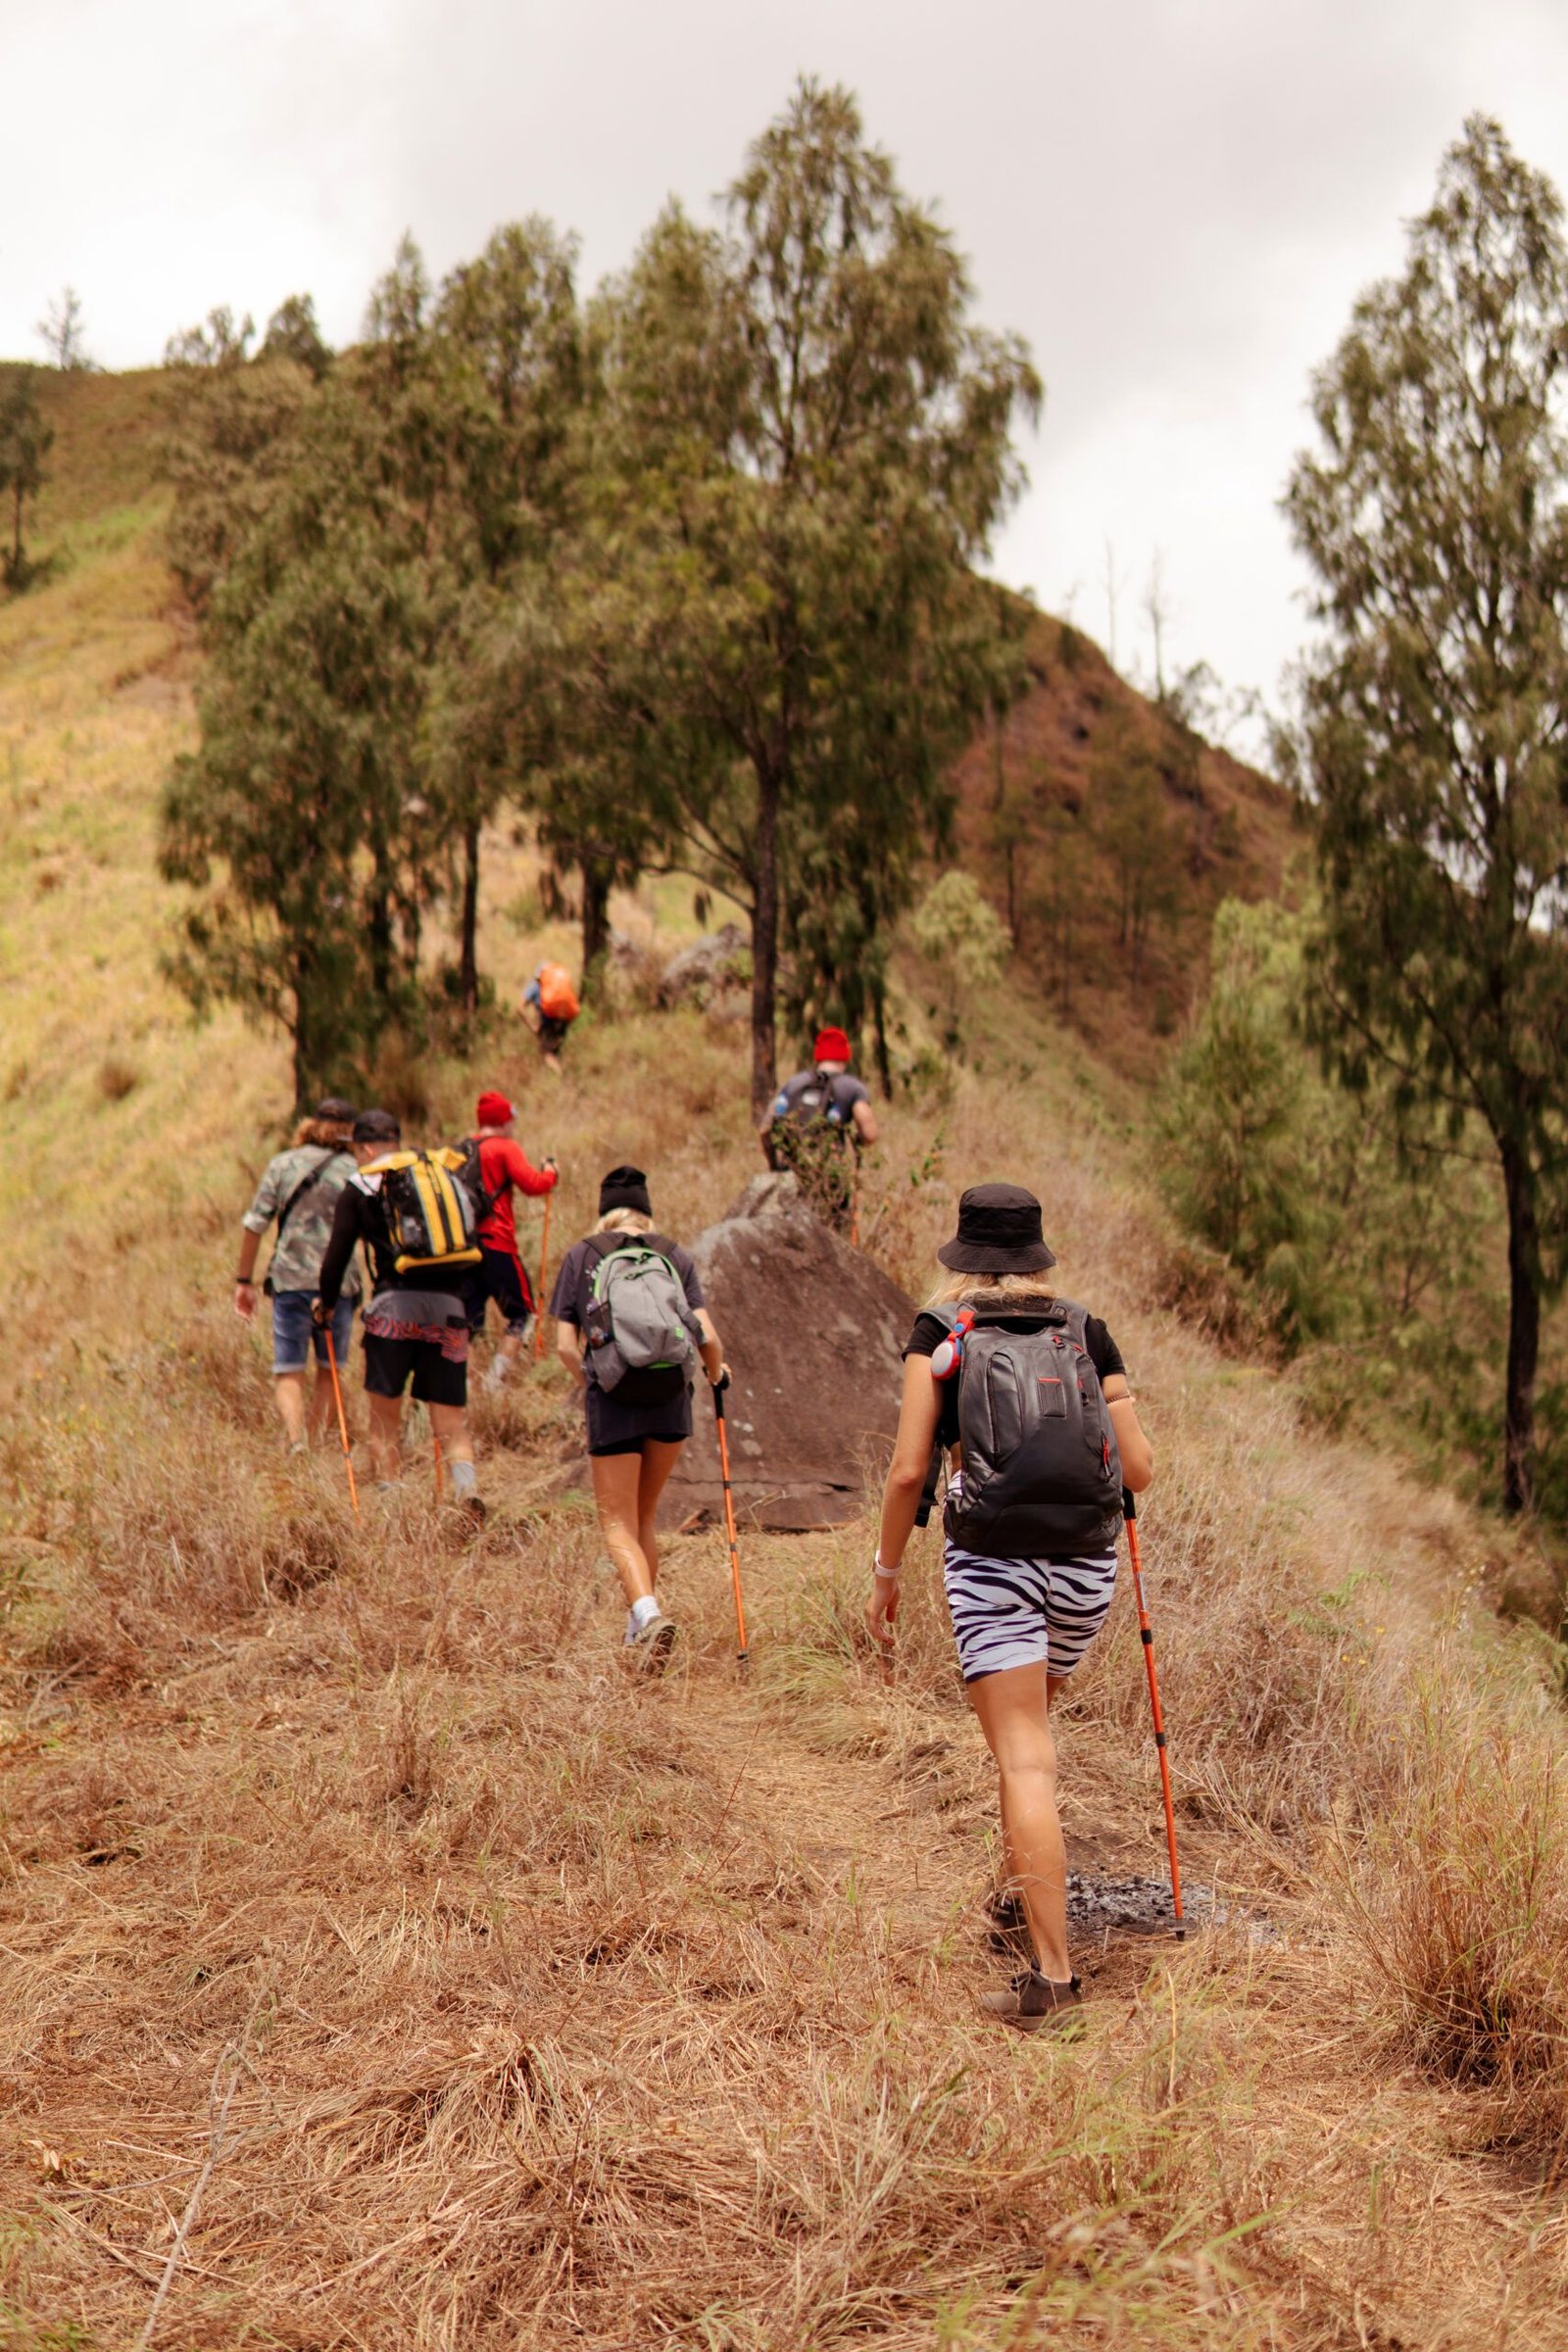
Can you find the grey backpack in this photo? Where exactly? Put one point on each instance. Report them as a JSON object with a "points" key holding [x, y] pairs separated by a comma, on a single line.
{"points": [[1042, 1476], [642, 1335]]}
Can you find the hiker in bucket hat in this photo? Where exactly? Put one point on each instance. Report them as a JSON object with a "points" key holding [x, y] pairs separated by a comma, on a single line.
{"points": [[1023, 1395]]}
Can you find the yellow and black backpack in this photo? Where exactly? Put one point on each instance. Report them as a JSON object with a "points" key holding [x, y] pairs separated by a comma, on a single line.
{"points": [[429, 1214]]}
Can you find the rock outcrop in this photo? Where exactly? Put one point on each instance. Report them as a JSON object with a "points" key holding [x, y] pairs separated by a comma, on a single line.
{"points": [[813, 1331], [719, 960]]}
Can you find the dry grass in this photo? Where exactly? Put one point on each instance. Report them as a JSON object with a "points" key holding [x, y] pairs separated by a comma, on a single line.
{"points": [[555, 2008], [1459, 1891]]}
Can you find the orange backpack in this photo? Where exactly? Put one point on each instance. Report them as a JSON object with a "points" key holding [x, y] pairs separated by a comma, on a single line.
{"points": [[557, 999]]}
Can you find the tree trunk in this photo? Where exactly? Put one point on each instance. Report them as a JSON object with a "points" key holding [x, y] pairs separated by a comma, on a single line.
{"points": [[303, 1042], [379, 929], [594, 918], [764, 947], [1524, 1330], [879, 1032], [468, 949]]}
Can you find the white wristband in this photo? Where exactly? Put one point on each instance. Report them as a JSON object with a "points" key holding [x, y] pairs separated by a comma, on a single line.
{"points": [[880, 1569]]}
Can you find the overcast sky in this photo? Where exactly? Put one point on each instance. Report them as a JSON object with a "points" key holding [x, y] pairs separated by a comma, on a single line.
{"points": [[1175, 200]]}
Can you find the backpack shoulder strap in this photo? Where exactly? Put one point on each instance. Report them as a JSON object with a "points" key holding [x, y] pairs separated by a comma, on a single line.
{"points": [[1076, 1318], [306, 1184]]}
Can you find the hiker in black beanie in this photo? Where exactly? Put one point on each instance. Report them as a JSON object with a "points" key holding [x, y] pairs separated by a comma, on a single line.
{"points": [[631, 1325]]}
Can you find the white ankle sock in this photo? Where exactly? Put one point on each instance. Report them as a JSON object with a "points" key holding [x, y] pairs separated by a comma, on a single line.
{"points": [[643, 1612], [465, 1479]]}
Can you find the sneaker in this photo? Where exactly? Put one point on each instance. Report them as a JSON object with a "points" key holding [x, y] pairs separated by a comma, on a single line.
{"points": [[648, 1651], [1032, 2001]]}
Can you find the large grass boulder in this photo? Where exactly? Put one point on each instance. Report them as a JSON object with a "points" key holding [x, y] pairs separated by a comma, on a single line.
{"points": [[813, 1331]]}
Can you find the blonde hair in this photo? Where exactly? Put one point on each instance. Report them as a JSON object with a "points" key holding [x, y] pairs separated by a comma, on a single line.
{"points": [[988, 1289], [322, 1132], [625, 1220]]}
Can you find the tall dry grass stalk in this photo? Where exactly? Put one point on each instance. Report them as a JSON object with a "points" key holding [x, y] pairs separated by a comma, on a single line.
{"points": [[1457, 1890]]}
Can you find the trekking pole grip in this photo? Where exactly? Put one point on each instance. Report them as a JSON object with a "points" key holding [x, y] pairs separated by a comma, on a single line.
{"points": [[1129, 1504]]}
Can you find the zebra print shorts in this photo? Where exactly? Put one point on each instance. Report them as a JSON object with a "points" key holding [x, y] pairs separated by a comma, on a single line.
{"points": [[1025, 1613]]}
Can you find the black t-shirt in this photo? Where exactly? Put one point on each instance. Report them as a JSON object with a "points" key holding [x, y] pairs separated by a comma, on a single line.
{"points": [[568, 1301], [930, 1331], [360, 1216]]}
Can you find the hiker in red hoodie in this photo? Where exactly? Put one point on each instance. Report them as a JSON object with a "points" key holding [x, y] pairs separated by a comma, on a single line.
{"points": [[499, 1164]]}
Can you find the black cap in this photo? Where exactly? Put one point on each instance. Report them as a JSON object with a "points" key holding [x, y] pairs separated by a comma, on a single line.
{"points": [[999, 1233], [625, 1188], [334, 1109], [377, 1127]]}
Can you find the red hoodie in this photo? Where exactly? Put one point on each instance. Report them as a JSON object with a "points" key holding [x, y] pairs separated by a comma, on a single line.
{"points": [[502, 1163]]}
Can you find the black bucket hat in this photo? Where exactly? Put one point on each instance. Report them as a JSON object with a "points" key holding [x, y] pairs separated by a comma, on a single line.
{"points": [[999, 1233]]}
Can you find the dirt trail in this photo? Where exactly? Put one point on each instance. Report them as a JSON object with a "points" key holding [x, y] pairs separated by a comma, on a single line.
{"points": [[907, 1835]]}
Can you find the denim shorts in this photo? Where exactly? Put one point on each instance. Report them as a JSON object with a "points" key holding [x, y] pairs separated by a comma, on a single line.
{"points": [[294, 1334]]}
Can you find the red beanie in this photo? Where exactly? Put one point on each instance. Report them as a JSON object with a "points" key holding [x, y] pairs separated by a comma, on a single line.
{"points": [[494, 1110], [831, 1045]]}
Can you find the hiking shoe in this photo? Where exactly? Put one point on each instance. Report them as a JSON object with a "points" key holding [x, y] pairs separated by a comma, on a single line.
{"points": [[1032, 2001], [470, 1511], [648, 1651]]}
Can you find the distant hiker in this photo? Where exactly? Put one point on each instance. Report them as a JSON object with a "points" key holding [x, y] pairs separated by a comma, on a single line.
{"points": [[417, 1224], [299, 1191], [631, 1324], [817, 1118], [1026, 1394], [549, 1005], [498, 1163]]}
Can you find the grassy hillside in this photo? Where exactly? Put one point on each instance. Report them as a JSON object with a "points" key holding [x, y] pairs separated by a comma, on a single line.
{"points": [[379, 1968], [1039, 823]]}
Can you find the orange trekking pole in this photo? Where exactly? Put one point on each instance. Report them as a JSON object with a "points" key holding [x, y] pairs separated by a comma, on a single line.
{"points": [[741, 1655], [1145, 1635], [544, 1267], [342, 1425], [439, 1482]]}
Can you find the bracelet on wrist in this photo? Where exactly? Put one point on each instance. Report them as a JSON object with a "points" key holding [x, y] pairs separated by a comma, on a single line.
{"points": [[879, 1567], [245, 1282]]}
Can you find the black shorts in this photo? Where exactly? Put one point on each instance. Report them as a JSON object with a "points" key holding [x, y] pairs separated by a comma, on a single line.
{"points": [[618, 1428], [666, 1437], [437, 1380], [552, 1033], [499, 1275]]}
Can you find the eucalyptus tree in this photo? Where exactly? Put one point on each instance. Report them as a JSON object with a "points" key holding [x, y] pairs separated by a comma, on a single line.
{"points": [[804, 447], [299, 818], [25, 441], [1435, 700]]}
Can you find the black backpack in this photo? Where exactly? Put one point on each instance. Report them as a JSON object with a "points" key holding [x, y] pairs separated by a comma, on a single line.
{"points": [[1042, 1475], [472, 1181], [804, 1101]]}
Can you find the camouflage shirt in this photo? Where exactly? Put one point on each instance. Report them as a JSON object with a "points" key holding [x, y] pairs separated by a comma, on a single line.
{"points": [[302, 1245]]}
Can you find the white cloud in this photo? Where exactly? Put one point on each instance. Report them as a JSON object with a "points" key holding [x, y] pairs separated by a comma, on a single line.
{"points": [[1175, 200]]}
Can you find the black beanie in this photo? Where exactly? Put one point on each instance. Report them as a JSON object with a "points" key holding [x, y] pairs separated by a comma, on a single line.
{"points": [[625, 1188]]}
